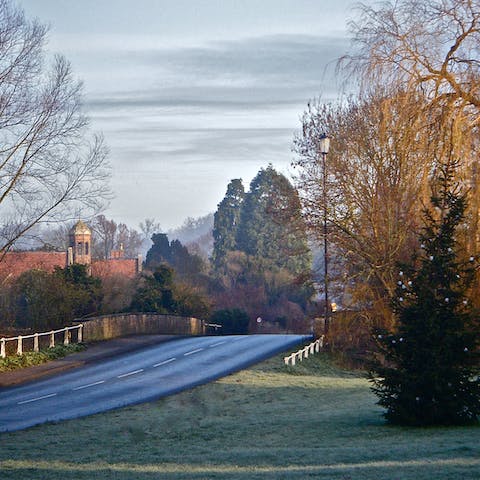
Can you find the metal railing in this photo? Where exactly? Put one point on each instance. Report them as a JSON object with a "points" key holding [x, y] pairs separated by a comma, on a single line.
{"points": [[36, 339], [314, 347]]}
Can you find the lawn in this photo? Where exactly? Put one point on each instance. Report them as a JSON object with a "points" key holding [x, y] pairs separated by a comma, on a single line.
{"points": [[271, 421]]}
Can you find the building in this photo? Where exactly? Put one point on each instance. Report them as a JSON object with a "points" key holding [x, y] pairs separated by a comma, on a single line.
{"points": [[79, 251]]}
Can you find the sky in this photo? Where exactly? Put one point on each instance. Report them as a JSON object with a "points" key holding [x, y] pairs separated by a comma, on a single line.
{"points": [[190, 94]]}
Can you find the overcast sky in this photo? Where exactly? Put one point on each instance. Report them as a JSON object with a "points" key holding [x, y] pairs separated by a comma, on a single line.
{"points": [[192, 93]]}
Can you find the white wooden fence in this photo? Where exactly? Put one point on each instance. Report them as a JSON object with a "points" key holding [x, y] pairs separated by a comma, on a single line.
{"points": [[20, 347], [314, 347]]}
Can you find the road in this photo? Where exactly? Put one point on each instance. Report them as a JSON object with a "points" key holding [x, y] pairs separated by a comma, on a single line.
{"points": [[136, 377]]}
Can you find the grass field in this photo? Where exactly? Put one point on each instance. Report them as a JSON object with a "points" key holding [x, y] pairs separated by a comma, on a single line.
{"points": [[272, 422]]}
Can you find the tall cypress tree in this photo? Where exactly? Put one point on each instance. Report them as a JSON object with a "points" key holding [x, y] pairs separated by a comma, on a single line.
{"points": [[271, 226], [226, 221], [429, 369]]}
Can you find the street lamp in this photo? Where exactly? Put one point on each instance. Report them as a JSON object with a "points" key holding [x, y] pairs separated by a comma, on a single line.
{"points": [[324, 146]]}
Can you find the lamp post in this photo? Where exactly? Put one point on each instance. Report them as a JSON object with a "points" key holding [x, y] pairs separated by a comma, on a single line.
{"points": [[324, 146]]}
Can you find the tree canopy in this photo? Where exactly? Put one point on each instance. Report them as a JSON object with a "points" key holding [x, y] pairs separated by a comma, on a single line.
{"points": [[261, 256], [226, 222]]}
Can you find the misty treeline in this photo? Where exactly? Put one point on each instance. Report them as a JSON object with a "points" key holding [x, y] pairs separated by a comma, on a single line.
{"points": [[39, 299], [416, 66], [261, 261], [259, 266]]}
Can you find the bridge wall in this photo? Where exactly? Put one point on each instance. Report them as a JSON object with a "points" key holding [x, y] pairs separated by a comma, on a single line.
{"points": [[121, 325]]}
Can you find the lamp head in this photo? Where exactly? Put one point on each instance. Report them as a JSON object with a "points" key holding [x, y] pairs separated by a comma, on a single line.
{"points": [[324, 143]]}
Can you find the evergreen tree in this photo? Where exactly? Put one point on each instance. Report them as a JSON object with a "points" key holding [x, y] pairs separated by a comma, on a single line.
{"points": [[155, 294], [160, 293], [429, 371], [225, 223], [271, 226], [175, 255], [159, 252]]}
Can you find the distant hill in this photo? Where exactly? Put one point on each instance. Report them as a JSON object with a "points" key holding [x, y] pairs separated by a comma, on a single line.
{"points": [[195, 234]]}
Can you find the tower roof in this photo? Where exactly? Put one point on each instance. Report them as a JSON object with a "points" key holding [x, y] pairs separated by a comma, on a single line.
{"points": [[80, 228]]}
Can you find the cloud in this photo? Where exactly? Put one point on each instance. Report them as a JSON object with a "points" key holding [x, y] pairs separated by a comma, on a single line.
{"points": [[181, 116], [278, 59], [255, 73]]}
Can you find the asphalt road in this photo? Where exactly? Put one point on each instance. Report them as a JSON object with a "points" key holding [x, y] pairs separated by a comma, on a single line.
{"points": [[135, 377]]}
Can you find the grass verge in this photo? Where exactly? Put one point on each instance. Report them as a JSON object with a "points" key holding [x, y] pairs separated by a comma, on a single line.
{"points": [[269, 422], [29, 359]]}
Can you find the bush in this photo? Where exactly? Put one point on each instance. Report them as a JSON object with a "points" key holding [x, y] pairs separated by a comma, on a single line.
{"points": [[233, 321], [29, 359]]}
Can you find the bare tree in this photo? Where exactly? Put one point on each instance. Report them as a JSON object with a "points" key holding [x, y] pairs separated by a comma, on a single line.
{"points": [[377, 178], [431, 45], [432, 49], [105, 232], [129, 240], [148, 227], [49, 169]]}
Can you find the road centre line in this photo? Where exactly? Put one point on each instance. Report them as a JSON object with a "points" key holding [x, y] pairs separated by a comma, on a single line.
{"points": [[192, 352], [218, 343], [164, 362], [130, 373], [36, 399], [89, 385]]}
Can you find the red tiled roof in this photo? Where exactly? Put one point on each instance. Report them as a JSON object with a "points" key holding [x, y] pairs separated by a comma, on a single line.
{"points": [[110, 268], [15, 263]]}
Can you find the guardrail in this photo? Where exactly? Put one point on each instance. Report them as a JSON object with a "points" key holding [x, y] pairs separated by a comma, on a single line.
{"points": [[36, 336], [314, 347], [215, 326]]}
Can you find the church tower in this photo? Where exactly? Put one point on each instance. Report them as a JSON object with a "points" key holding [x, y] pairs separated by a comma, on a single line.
{"points": [[79, 250]]}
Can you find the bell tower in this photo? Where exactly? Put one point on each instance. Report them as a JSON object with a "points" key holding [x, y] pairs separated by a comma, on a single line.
{"points": [[79, 250]]}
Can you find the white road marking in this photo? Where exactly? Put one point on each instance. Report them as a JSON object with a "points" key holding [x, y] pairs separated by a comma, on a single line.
{"points": [[164, 362], [130, 373], [89, 385], [218, 343], [37, 398], [192, 352]]}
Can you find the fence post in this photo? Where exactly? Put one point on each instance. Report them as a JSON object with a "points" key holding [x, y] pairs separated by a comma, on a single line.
{"points": [[66, 335], [52, 339], [80, 333], [20, 345], [35, 342], [3, 352], [293, 359]]}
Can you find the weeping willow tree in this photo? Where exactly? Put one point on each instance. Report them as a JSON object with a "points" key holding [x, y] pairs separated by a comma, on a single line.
{"points": [[417, 106]]}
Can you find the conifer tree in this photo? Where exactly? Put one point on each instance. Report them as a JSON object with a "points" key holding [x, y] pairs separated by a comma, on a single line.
{"points": [[428, 373], [226, 222], [271, 226]]}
